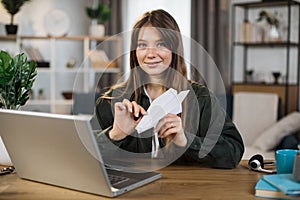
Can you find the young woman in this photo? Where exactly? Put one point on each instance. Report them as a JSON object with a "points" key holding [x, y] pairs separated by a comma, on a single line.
{"points": [[157, 64]]}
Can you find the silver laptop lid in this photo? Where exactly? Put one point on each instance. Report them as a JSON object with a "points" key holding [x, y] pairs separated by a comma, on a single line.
{"points": [[54, 149]]}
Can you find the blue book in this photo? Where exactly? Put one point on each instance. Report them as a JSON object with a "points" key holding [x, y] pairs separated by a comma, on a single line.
{"points": [[285, 183], [265, 190]]}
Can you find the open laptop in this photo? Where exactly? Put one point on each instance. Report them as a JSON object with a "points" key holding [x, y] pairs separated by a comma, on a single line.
{"points": [[61, 150]]}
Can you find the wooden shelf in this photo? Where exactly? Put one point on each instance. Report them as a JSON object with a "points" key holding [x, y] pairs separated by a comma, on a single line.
{"points": [[45, 37], [265, 4], [264, 84], [266, 44], [39, 102]]}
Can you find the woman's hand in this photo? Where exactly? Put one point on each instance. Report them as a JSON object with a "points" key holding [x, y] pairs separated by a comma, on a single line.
{"points": [[170, 126], [124, 122]]}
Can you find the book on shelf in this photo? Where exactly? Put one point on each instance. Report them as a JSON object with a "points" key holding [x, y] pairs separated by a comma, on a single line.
{"points": [[35, 55], [265, 190]]}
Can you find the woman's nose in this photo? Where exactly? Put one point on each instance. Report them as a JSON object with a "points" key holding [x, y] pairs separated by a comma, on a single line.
{"points": [[151, 51]]}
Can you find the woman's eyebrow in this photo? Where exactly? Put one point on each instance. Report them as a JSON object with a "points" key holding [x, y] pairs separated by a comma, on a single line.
{"points": [[142, 40]]}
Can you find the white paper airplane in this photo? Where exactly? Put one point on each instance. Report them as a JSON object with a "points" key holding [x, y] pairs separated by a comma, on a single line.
{"points": [[168, 102]]}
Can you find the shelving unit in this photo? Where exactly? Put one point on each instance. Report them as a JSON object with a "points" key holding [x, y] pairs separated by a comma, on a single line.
{"points": [[58, 78], [288, 49]]}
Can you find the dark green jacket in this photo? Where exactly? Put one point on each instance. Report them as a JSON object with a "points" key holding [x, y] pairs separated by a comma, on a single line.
{"points": [[219, 147]]}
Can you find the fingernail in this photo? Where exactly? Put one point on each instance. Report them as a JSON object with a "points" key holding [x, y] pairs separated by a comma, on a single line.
{"points": [[130, 110], [137, 114]]}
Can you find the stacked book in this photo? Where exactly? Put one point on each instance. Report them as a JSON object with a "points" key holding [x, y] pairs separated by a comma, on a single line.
{"points": [[278, 186]]}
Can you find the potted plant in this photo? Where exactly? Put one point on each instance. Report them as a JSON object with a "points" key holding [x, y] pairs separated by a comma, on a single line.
{"points": [[12, 7], [99, 15], [17, 76], [273, 21]]}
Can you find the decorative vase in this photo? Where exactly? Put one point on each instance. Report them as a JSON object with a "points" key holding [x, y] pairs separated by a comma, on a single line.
{"points": [[11, 29], [4, 157], [96, 29], [273, 34]]}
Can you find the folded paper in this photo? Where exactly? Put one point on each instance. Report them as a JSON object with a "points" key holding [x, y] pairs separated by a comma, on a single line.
{"points": [[168, 102]]}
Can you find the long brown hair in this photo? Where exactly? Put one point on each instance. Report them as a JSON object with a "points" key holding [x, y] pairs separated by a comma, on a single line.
{"points": [[170, 33]]}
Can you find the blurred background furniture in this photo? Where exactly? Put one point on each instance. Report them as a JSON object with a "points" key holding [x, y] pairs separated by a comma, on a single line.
{"points": [[252, 114]]}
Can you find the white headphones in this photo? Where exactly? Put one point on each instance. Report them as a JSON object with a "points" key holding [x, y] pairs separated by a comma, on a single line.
{"points": [[257, 163]]}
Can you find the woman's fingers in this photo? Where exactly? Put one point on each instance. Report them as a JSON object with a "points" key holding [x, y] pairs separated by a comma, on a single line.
{"points": [[170, 131], [132, 107], [128, 105], [169, 124], [136, 109], [124, 124], [120, 106], [170, 127]]}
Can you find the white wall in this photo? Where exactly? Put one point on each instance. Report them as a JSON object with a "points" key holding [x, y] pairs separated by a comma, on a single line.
{"points": [[179, 9]]}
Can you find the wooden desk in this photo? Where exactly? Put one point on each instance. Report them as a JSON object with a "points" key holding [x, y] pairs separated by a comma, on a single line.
{"points": [[178, 182]]}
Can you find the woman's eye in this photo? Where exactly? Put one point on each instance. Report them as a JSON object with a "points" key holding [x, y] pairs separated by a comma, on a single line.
{"points": [[161, 44], [141, 45]]}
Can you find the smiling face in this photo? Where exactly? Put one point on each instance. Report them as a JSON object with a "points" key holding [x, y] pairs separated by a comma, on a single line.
{"points": [[152, 53]]}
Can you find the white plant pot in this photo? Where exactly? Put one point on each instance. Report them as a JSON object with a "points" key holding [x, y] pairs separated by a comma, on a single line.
{"points": [[4, 157], [97, 30]]}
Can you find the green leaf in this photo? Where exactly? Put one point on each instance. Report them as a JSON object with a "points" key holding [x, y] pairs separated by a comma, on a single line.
{"points": [[17, 76], [271, 19], [102, 13]]}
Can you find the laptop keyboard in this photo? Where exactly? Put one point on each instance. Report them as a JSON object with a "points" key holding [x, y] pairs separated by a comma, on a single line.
{"points": [[115, 179]]}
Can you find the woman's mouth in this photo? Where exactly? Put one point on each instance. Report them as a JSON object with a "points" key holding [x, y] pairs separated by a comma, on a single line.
{"points": [[152, 64]]}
